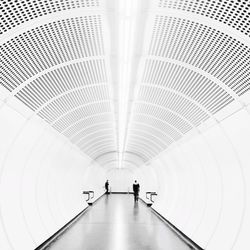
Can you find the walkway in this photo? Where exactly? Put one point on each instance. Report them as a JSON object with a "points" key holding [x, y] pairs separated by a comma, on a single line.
{"points": [[116, 223]]}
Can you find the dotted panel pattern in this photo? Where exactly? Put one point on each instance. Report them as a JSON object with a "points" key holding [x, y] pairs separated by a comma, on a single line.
{"points": [[15, 12], [87, 122], [61, 80], [46, 46], [97, 137], [160, 138], [230, 12], [73, 100], [173, 102], [170, 89], [161, 116], [143, 135], [82, 112], [65, 59], [89, 130], [158, 125], [173, 98], [203, 47], [187, 82]]}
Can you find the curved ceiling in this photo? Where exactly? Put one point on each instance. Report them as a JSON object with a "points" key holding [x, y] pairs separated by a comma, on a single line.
{"points": [[189, 64]]}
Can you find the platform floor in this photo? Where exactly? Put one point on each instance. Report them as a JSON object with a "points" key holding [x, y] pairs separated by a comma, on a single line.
{"points": [[116, 223]]}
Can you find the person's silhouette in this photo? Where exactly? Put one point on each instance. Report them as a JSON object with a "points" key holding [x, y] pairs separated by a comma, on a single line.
{"points": [[136, 189], [107, 186]]}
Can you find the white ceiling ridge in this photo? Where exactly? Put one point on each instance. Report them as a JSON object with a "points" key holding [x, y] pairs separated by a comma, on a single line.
{"points": [[145, 154], [141, 138], [107, 153], [79, 107], [168, 110], [85, 118], [46, 71], [207, 21], [92, 148], [194, 102], [150, 134], [93, 138], [50, 18], [69, 92], [129, 161], [127, 168], [98, 147], [110, 78], [156, 118], [134, 154], [97, 140], [96, 131], [88, 127], [92, 155], [157, 129], [141, 149], [147, 141], [201, 72]]}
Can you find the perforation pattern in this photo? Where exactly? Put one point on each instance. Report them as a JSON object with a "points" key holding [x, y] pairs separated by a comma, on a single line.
{"points": [[203, 47], [88, 122], [174, 96], [174, 102], [43, 47], [190, 72], [61, 80], [162, 126], [59, 71], [97, 137], [187, 82], [73, 100], [159, 136], [89, 131], [79, 113], [162, 115], [233, 13], [15, 12]]}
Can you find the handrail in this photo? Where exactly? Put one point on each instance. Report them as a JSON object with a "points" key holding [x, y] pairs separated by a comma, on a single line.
{"points": [[151, 194], [91, 195]]}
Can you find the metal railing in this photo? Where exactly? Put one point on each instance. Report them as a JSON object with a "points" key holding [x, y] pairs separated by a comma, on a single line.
{"points": [[91, 195], [149, 196]]}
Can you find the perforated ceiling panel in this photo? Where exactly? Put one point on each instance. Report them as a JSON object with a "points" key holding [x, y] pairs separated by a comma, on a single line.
{"points": [[18, 12], [59, 69], [191, 71], [57, 57]]}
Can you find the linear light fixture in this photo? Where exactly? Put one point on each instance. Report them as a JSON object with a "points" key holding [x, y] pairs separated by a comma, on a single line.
{"points": [[127, 12]]}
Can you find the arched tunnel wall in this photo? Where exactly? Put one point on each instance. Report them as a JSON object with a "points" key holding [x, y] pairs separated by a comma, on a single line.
{"points": [[188, 129], [203, 184], [42, 177]]}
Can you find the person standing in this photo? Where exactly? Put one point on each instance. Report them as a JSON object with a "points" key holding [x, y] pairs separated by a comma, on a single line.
{"points": [[107, 186], [136, 189]]}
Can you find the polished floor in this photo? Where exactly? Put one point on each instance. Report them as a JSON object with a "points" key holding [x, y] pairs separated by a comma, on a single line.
{"points": [[116, 223]]}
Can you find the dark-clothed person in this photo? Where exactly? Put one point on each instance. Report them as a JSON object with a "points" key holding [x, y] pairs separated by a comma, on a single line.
{"points": [[136, 189], [107, 187]]}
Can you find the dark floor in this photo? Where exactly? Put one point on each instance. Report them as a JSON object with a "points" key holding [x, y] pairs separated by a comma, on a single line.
{"points": [[116, 223]]}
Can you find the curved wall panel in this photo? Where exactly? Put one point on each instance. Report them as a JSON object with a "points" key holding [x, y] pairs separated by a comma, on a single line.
{"points": [[188, 126], [204, 184], [37, 168]]}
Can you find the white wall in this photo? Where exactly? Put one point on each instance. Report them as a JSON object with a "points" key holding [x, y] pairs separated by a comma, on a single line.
{"points": [[42, 177], [204, 185], [120, 180]]}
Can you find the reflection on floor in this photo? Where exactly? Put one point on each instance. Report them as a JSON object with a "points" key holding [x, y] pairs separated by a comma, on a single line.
{"points": [[116, 223]]}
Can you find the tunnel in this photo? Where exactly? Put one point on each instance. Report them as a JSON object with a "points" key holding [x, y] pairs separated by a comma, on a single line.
{"points": [[121, 90]]}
